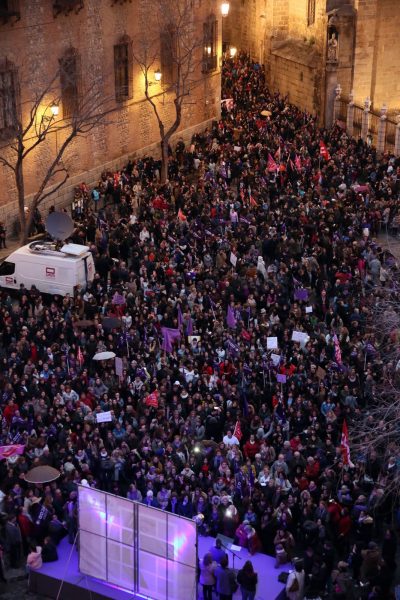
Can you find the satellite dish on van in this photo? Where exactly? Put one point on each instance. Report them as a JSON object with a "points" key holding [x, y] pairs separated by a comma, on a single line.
{"points": [[59, 225]]}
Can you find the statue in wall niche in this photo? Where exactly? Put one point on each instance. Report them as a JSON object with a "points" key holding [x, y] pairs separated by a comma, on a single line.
{"points": [[333, 47]]}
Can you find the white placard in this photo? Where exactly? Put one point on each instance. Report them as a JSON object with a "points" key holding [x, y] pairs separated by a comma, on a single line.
{"points": [[237, 148], [308, 309], [233, 259], [104, 417], [276, 359], [299, 336], [272, 343]]}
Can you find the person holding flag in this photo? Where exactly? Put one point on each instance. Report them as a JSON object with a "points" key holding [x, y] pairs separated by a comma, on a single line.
{"points": [[344, 446], [323, 150]]}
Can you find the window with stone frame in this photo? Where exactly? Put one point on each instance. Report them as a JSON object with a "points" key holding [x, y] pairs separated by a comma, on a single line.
{"points": [[8, 99], [168, 43], [69, 81], [311, 12], [9, 11], [210, 41], [123, 69]]}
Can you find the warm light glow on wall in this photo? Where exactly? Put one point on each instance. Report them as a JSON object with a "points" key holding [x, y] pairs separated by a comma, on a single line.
{"points": [[225, 6]]}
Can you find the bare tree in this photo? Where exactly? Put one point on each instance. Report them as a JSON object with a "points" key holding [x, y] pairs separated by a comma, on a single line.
{"points": [[375, 432], [177, 48], [34, 125]]}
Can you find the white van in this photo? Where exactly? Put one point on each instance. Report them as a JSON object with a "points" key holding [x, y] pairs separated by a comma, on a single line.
{"points": [[51, 269]]}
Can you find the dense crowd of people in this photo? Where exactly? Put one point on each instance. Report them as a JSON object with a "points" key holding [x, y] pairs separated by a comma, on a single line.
{"points": [[238, 296]]}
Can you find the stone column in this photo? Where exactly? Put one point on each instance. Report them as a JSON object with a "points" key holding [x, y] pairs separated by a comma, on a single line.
{"points": [[350, 115], [336, 104], [380, 144], [365, 119], [397, 138]]}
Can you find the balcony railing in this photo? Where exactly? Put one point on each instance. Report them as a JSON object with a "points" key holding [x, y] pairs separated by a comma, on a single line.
{"points": [[210, 64]]}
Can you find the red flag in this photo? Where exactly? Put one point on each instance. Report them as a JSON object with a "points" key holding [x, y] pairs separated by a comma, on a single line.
{"points": [[181, 216], [238, 431], [278, 154], [323, 150], [344, 445], [80, 356], [252, 201], [298, 162], [272, 166], [152, 399], [246, 335]]}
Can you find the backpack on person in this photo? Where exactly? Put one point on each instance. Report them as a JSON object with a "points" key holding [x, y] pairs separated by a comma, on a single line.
{"points": [[294, 586]]}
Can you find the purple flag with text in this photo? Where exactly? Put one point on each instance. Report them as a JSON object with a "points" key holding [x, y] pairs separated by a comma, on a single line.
{"points": [[230, 317], [169, 337]]}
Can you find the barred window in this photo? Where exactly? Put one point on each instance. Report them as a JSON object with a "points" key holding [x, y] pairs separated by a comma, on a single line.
{"points": [[168, 54], [210, 48], [311, 12], [8, 99], [123, 66], [69, 80]]}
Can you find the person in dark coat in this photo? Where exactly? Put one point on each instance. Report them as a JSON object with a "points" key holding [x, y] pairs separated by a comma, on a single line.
{"points": [[49, 550], [13, 541], [247, 578]]}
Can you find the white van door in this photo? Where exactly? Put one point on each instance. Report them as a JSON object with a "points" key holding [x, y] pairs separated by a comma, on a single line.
{"points": [[86, 272], [8, 275]]}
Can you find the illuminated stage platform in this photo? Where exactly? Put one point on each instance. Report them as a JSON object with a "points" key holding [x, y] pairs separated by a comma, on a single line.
{"points": [[47, 580]]}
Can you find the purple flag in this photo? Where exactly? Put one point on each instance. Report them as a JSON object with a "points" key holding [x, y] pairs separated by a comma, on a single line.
{"points": [[230, 317], [301, 294], [281, 378], [169, 336], [189, 326], [232, 348], [180, 318]]}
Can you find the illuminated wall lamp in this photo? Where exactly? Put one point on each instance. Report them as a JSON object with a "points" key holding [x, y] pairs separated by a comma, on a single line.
{"points": [[225, 6], [55, 109]]}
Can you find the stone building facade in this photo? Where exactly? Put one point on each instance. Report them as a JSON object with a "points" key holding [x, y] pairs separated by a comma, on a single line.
{"points": [[310, 46], [37, 35]]}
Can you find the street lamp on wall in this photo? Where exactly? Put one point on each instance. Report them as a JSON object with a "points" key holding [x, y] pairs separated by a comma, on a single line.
{"points": [[232, 51], [54, 108], [225, 6], [157, 75]]}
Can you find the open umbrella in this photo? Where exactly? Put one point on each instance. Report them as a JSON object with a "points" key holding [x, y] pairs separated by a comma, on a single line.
{"points": [[83, 323], [104, 355], [42, 474], [111, 323], [266, 113]]}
